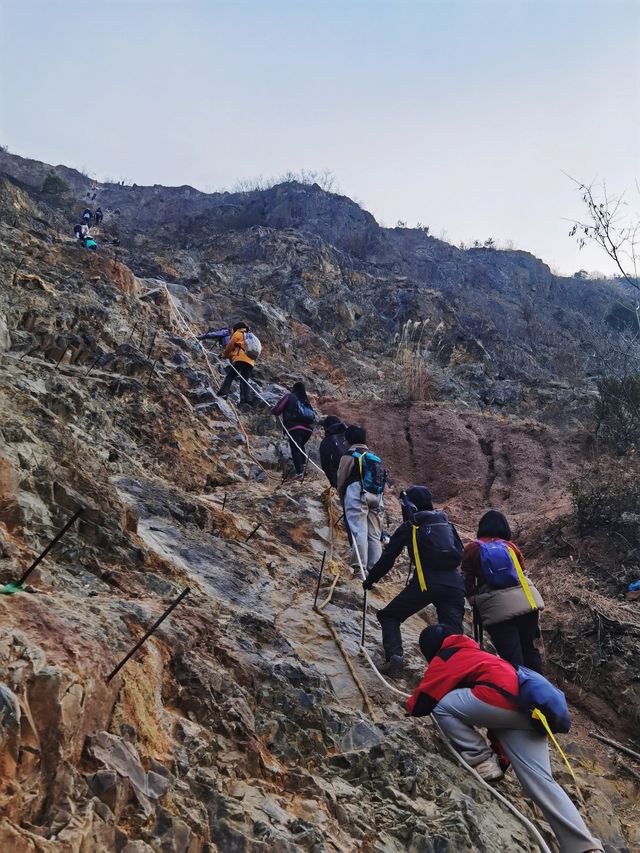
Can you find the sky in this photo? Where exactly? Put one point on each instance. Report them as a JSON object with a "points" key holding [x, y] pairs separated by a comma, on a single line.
{"points": [[463, 115]]}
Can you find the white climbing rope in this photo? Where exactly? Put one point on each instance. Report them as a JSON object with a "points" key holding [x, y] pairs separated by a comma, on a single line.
{"points": [[496, 794]]}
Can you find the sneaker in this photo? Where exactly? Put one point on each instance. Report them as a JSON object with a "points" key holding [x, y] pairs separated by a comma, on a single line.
{"points": [[489, 769], [394, 667]]}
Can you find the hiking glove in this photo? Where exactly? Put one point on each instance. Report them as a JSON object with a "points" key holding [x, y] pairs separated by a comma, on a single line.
{"points": [[367, 584]]}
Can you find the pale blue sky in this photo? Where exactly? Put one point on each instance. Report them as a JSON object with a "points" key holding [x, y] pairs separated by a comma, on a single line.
{"points": [[460, 114]]}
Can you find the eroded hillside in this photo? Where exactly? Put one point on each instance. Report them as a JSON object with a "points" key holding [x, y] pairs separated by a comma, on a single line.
{"points": [[239, 726]]}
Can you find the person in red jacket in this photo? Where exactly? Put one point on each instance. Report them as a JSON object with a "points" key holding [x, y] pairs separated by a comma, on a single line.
{"points": [[464, 687]]}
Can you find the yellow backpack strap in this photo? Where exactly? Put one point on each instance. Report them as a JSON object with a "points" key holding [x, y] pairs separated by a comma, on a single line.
{"points": [[522, 578], [416, 558], [538, 715], [360, 466]]}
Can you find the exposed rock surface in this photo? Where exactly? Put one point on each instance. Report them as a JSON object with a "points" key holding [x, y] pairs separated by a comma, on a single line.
{"points": [[238, 726]]}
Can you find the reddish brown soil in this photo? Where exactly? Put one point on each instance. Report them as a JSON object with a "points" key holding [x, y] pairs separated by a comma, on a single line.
{"points": [[471, 462]]}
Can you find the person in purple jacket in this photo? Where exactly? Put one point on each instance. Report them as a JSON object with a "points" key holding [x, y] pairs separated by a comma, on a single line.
{"points": [[298, 418]]}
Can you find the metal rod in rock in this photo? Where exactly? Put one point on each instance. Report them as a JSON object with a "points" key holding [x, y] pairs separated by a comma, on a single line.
{"points": [[224, 500], [142, 337], [64, 352], [152, 344], [153, 367], [364, 617], [93, 364], [133, 331], [56, 538], [153, 628], [255, 530], [324, 554]]}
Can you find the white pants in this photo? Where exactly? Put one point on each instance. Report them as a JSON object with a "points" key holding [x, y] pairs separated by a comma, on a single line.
{"points": [[459, 711], [363, 513]]}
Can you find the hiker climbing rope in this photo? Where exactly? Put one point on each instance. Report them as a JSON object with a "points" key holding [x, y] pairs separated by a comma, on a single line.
{"points": [[182, 325]]}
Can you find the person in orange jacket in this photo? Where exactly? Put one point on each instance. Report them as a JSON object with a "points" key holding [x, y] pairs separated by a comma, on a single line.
{"points": [[240, 364]]}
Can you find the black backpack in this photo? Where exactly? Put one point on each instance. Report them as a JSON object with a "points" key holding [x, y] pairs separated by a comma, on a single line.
{"points": [[436, 545], [297, 412]]}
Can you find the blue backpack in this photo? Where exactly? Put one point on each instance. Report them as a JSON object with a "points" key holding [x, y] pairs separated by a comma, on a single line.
{"points": [[498, 563], [372, 474], [544, 702]]}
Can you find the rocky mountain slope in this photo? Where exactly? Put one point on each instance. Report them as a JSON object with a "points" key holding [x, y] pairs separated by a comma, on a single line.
{"points": [[239, 725]]}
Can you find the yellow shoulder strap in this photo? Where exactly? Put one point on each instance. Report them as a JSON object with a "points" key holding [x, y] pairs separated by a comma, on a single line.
{"points": [[538, 715], [416, 557], [521, 577], [360, 466]]}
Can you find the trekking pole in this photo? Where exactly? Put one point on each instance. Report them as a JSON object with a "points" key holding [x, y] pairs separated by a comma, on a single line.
{"points": [[304, 472], [324, 554], [41, 557], [478, 633], [364, 618], [155, 625]]}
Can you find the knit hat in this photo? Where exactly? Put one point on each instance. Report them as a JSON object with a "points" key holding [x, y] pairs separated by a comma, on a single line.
{"points": [[432, 638], [420, 497], [356, 434]]}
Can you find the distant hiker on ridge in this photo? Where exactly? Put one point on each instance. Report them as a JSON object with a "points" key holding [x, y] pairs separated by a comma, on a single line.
{"points": [[496, 584], [435, 551], [98, 215], [242, 351], [86, 216], [466, 689], [333, 447], [361, 481], [298, 418], [77, 231]]}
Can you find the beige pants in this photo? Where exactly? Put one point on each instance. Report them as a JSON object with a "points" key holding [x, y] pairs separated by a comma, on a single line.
{"points": [[363, 513]]}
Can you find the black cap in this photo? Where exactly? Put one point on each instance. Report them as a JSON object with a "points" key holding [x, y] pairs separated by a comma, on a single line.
{"points": [[432, 638]]}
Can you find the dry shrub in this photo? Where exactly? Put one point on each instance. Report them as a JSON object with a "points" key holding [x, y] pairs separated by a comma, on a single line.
{"points": [[414, 381], [618, 412]]}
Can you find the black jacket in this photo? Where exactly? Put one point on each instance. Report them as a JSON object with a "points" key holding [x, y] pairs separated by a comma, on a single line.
{"points": [[332, 448], [403, 538]]}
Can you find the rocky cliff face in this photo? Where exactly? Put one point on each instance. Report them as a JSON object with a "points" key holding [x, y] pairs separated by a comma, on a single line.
{"points": [[239, 725]]}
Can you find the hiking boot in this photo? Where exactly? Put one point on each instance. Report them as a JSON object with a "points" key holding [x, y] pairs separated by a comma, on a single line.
{"points": [[394, 667], [489, 769]]}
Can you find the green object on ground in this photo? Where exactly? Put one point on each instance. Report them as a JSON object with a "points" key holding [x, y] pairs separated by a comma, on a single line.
{"points": [[11, 587]]}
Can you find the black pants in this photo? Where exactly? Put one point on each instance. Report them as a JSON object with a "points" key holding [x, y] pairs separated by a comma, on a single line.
{"points": [[245, 370], [301, 437], [514, 640], [448, 601]]}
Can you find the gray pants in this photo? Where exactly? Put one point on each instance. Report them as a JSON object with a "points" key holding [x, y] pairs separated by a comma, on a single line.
{"points": [[363, 517], [528, 752]]}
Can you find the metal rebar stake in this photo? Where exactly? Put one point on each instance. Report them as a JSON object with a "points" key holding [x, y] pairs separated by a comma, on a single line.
{"points": [[154, 627], [255, 530], [56, 538], [324, 554]]}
